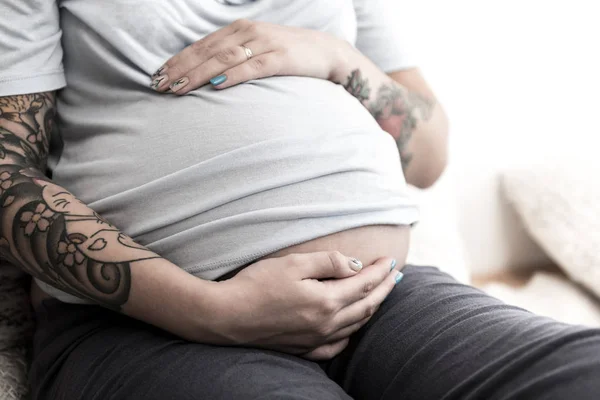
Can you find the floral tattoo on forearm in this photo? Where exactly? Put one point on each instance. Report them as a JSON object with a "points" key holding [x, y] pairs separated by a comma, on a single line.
{"points": [[397, 110], [358, 86], [46, 230]]}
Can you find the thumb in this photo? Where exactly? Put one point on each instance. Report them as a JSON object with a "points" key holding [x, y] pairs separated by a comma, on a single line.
{"points": [[327, 265]]}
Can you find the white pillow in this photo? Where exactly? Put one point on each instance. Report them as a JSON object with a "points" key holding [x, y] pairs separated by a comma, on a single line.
{"points": [[559, 204]]}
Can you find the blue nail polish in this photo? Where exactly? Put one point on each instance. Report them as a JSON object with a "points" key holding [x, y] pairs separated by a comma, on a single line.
{"points": [[217, 80], [393, 265], [399, 277]]}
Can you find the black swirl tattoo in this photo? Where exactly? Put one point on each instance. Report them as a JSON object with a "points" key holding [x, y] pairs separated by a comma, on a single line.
{"points": [[46, 230]]}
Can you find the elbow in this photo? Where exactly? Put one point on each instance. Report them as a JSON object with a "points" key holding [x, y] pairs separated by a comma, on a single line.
{"points": [[430, 175], [432, 166]]}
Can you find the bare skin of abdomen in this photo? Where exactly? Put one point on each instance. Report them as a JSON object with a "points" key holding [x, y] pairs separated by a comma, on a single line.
{"points": [[366, 243]]}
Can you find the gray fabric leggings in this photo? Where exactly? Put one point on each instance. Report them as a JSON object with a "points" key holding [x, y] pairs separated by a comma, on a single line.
{"points": [[432, 338]]}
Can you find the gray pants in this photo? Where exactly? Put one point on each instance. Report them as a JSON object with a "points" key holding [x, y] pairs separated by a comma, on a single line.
{"points": [[433, 338]]}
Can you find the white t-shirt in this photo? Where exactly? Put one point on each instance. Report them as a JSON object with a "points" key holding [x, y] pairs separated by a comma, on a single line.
{"points": [[215, 179]]}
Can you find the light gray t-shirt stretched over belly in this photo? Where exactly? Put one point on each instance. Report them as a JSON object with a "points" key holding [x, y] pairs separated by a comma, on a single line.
{"points": [[215, 179]]}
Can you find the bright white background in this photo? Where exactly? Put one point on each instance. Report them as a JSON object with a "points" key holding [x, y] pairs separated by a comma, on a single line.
{"points": [[520, 80]]}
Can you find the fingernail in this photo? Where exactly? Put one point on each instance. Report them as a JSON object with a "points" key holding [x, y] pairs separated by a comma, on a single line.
{"points": [[160, 71], [179, 83], [392, 265], [159, 82], [217, 80], [355, 264], [399, 277]]}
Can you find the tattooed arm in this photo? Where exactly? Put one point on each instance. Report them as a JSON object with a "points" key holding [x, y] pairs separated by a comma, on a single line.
{"points": [[53, 236], [404, 106]]}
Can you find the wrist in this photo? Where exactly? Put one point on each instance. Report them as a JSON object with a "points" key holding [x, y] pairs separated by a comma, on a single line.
{"points": [[216, 315], [164, 295], [343, 58], [210, 317]]}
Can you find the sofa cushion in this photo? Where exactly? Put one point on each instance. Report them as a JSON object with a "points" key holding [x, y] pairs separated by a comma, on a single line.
{"points": [[16, 329], [559, 204]]}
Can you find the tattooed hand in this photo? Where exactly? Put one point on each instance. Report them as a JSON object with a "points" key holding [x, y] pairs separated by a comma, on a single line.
{"points": [[247, 50]]}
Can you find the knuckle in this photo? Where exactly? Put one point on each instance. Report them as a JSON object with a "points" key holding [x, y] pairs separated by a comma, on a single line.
{"points": [[225, 56], [242, 23], [309, 319], [197, 45], [368, 286], [335, 257], [211, 45], [200, 48], [337, 260], [370, 310], [257, 64], [253, 27], [323, 331], [208, 48], [175, 72], [328, 305]]}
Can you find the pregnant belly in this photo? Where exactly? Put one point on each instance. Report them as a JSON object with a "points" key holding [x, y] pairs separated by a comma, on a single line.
{"points": [[367, 243]]}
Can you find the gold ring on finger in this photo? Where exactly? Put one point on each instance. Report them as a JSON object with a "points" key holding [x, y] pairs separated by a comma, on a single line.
{"points": [[249, 53]]}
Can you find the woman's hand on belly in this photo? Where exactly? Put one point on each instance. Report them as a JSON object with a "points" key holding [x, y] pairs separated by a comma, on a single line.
{"points": [[247, 50], [303, 304]]}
